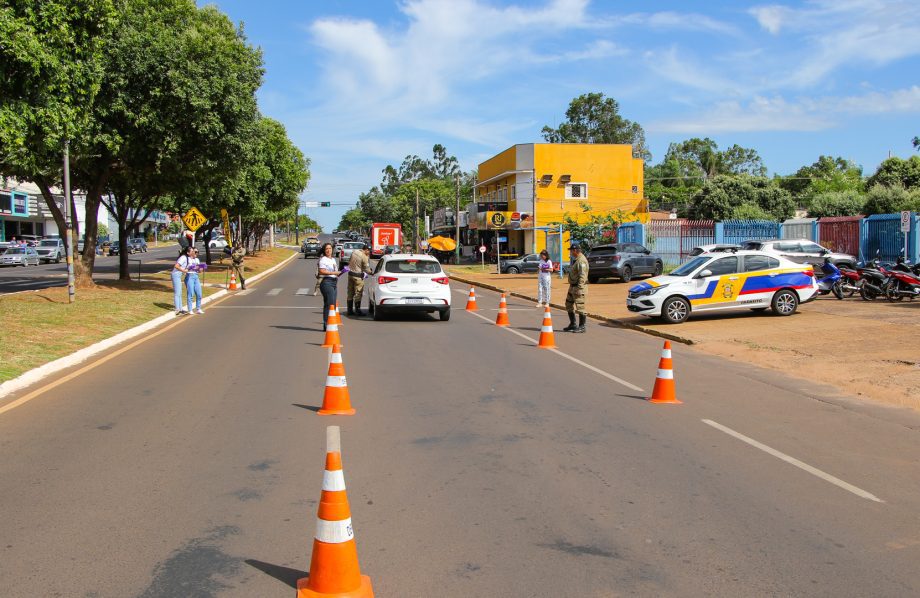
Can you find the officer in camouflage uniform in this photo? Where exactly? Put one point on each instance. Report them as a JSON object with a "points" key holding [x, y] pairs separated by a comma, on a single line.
{"points": [[236, 257], [578, 286], [358, 265]]}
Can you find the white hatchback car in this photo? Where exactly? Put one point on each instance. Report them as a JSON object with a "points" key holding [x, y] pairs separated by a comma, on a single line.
{"points": [[408, 283], [718, 281]]}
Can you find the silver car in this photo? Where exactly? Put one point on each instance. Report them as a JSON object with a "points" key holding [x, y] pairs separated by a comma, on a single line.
{"points": [[19, 256], [348, 247], [802, 251]]}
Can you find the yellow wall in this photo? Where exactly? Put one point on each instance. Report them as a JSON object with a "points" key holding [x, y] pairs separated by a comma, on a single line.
{"points": [[494, 166]]}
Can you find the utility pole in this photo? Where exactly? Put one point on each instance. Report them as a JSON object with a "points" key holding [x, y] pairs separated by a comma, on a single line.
{"points": [[417, 237], [457, 222], [68, 237], [297, 224], [533, 184]]}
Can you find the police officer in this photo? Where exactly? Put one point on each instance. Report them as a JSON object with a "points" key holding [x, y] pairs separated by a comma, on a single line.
{"points": [[358, 265], [578, 285], [236, 256]]}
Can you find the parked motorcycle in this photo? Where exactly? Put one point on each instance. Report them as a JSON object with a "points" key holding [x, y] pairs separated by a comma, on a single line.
{"points": [[874, 281], [832, 281], [902, 282], [850, 282]]}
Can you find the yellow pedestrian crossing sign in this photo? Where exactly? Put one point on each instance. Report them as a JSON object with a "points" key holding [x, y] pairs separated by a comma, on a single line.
{"points": [[193, 219]]}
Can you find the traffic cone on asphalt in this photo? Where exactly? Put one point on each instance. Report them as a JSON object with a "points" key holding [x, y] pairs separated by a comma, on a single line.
{"points": [[336, 400], [332, 335], [334, 569], [664, 380], [502, 319], [330, 319], [547, 338], [232, 286], [338, 317], [471, 302]]}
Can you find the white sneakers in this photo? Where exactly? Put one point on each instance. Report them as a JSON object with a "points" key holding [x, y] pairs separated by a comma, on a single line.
{"points": [[199, 311]]}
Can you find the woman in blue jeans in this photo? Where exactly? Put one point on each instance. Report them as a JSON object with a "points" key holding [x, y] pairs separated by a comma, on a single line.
{"points": [[180, 269], [328, 271], [193, 282]]}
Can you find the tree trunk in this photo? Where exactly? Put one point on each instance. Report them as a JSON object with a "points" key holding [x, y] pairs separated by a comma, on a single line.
{"points": [[207, 242], [120, 216], [83, 268]]}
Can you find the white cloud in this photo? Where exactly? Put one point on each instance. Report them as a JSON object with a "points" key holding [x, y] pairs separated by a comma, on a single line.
{"points": [[771, 17], [803, 114], [677, 21]]}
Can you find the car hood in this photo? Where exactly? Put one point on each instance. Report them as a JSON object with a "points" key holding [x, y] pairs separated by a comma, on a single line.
{"points": [[656, 281]]}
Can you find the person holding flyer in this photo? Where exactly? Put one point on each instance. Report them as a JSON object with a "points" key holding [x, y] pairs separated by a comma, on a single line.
{"points": [[544, 279], [192, 281]]}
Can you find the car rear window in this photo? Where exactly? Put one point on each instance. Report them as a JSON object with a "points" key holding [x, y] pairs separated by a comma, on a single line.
{"points": [[599, 251], [49, 243], [15, 251], [354, 245], [753, 263], [413, 267], [752, 245]]}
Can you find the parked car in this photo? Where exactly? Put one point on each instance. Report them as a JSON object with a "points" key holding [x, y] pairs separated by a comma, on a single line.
{"points": [[311, 247], [348, 247], [20, 256], [408, 283], [51, 250], [217, 243], [802, 251], [713, 248], [623, 261], [753, 280], [115, 248], [138, 244]]}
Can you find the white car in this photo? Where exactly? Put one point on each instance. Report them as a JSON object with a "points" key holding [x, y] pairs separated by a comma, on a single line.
{"points": [[719, 281], [217, 243], [408, 283]]}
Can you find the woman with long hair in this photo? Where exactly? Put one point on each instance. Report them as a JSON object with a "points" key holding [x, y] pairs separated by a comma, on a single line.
{"points": [[544, 279], [329, 272], [180, 269]]}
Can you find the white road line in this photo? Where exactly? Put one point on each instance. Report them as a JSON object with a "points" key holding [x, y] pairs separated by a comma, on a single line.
{"points": [[303, 291], [243, 292], [274, 292], [569, 357], [318, 310], [793, 461]]}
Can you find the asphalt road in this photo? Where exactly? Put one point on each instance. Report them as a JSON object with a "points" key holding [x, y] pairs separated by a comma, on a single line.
{"points": [[477, 465], [13, 279]]}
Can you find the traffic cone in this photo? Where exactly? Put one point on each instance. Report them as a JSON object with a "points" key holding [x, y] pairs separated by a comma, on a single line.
{"points": [[547, 338], [336, 400], [664, 380], [334, 569], [232, 286], [334, 312], [471, 302], [502, 319], [330, 319], [332, 336]]}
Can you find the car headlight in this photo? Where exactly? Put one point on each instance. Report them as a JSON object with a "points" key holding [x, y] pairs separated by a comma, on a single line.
{"points": [[649, 292]]}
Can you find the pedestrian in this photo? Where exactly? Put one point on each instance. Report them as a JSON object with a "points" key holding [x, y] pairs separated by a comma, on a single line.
{"points": [[180, 268], [578, 286], [193, 282], [236, 258], [328, 270], [358, 266], [544, 279]]}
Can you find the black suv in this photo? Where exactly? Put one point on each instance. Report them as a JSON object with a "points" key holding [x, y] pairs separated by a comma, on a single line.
{"points": [[310, 247], [623, 261], [138, 245]]}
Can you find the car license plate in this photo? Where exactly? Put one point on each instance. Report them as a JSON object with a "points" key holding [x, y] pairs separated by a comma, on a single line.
{"points": [[414, 300], [413, 280]]}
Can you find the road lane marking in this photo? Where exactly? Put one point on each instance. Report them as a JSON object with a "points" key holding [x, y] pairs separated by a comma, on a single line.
{"points": [[793, 461], [313, 307], [274, 292], [243, 292], [303, 292], [588, 366]]}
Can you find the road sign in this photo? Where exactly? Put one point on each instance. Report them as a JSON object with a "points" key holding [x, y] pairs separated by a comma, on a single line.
{"points": [[503, 239], [311, 204], [482, 249], [226, 218], [193, 219], [905, 221]]}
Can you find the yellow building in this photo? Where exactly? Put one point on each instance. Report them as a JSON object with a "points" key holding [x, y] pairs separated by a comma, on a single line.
{"points": [[533, 185]]}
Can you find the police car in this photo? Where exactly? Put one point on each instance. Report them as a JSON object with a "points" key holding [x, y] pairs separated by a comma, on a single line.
{"points": [[718, 282]]}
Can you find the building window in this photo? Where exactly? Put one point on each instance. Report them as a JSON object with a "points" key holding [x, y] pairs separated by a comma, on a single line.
{"points": [[6, 203], [513, 191], [576, 190], [20, 204]]}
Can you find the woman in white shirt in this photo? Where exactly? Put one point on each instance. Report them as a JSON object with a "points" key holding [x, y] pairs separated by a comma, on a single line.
{"points": [[179, 269], [544, 279], [329, 272], [192, 282]]}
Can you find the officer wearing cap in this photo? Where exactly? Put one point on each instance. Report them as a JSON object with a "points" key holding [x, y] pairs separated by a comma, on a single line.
{"points": [[578, 286], [358, 265]]}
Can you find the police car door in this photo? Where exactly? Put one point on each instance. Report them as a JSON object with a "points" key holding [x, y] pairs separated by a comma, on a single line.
{"points": [[720, 286]]}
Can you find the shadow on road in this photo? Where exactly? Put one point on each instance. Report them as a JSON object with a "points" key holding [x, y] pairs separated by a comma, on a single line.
{"points": [[637, 397], [282, 574], [297, 328], [307, 407]]}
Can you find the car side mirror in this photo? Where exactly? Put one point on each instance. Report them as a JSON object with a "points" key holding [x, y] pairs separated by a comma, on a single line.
{"points": [[647, 251], [704, 274], [824, 252]]}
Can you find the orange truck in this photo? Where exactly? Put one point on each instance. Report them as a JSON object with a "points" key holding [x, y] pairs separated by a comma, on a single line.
{"points": [[384, 234]]}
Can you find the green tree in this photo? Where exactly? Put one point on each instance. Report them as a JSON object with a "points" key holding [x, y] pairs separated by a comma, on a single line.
{"points": [[597, 229], [837, 203], [697, 159], [354, 219], [897, 171], [826, 175], [883, 199], [50, 73], [722, 197], [916, 142], [592, 118]]}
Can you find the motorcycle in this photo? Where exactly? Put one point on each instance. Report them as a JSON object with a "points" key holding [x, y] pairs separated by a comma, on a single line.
{"points": [[875, 281], [851, 281], [832, 281], [903, 282]]}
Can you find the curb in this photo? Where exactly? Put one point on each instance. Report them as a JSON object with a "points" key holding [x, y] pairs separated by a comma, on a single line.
{"points": [[594, 316], [62, 363]]}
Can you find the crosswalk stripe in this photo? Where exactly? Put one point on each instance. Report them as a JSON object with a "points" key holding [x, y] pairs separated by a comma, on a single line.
{"points": [[303, 292], [274, 292], [244, 292]]}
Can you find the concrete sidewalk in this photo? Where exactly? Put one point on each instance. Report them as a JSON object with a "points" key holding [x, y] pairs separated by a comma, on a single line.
{"points": [[866, 349]]}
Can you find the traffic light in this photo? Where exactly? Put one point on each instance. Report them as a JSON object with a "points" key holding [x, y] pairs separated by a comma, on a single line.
{"points": [[325, 204]]}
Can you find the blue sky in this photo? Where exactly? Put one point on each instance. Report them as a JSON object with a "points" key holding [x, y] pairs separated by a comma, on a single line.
{"points": [[362, 84]]}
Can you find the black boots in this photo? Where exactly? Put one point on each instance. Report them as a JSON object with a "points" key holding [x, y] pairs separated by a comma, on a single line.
{"points": [[358, 311], [582, 319], [572, 326], [351, 311]]}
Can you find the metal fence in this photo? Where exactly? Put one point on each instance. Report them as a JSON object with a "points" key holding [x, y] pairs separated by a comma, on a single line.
{"points": [[882, 237], [674, 239], [800, 228], [631, 232], [739, 231], [840, 233]]}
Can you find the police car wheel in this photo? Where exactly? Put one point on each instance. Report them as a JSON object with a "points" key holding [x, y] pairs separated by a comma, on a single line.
{"points": [[785, 302], [675, 310]]}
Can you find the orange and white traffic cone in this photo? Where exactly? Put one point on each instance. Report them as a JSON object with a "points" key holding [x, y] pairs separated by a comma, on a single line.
{"points": [[547, 338], [471, 302], [334, 569], [332, 335], [232, 286], [502, 319], [338, 316], [664, 380], [331, 316], [336, 400]]}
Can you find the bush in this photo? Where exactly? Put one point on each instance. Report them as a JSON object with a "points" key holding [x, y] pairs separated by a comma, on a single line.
{"points": [[837, 203], [890, 199]]}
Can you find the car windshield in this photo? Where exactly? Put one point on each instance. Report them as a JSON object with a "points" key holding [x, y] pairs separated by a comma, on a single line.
{"points": [[413, 267], [49, 243], [15, 251], [688, 268], [354, 245]]}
